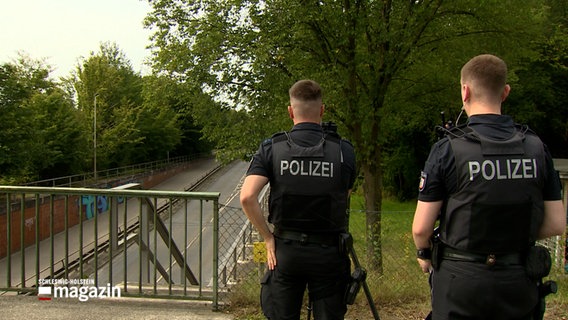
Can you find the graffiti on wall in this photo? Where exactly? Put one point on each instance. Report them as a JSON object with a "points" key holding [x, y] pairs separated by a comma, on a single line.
{"points": [[29, 223], [96, 204]]}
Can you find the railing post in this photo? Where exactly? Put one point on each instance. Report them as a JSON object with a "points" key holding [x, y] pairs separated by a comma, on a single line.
{"points": [[9, 240], [37, 239], [145, 239], [216, 254], [22, 240], [113, 225]]}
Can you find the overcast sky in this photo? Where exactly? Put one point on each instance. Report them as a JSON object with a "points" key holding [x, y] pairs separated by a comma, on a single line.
{"points": [[63, 31]]}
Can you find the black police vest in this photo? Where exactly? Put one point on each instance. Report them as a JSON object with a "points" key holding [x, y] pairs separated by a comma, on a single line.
{"points": [[306, 193], [498, 206]]}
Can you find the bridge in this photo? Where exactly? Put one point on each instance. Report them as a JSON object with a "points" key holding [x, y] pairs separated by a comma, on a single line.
{"points": [[182, 240]]}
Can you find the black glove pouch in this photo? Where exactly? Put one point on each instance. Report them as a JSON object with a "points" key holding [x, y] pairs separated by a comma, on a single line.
{"points": [[538, 262]]}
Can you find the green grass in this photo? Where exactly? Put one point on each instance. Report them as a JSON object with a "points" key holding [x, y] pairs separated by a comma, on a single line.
{"points": [[401, 279]]}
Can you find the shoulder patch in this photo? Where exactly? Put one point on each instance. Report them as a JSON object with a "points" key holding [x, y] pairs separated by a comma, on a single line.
{"points": [[423, 179]]}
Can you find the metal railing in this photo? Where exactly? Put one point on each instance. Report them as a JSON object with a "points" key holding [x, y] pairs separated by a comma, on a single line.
{"points": [[88, 179], [148, 243], [240, 247]]}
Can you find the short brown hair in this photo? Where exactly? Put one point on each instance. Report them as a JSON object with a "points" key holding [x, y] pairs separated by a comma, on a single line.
{"points": [[306, 91], [487, 72]]}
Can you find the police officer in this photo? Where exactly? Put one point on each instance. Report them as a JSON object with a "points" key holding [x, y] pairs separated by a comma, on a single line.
{"points": [[492, 185], [311, 172]]}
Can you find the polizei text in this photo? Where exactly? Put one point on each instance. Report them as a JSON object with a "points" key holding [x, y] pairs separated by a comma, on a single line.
{"points": [[507, 169], [311, 168]]}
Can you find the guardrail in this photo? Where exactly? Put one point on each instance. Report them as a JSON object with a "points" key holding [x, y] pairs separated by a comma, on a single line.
{"points": [[88, 179], [149, 243]]}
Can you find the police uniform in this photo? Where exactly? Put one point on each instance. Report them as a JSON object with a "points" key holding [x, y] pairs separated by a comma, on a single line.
{"points": [[493, 177], [310, 172]]}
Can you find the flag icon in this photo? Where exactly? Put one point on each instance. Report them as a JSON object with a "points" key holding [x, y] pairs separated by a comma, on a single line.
{"points": [[44, 293]]}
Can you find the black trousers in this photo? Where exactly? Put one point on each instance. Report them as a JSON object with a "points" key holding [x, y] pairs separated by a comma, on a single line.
{"points": [[472, 290], [323, 269]]}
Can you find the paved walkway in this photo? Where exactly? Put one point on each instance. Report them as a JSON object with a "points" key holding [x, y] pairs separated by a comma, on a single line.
{"points": [[31, 308]]}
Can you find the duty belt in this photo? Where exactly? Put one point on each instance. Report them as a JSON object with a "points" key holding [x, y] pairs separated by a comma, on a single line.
{"points": [[489, 259], [305, 238]]}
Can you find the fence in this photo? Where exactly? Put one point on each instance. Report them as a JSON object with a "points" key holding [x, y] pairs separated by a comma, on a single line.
{"points": [[148, 243], [401, 275], [241, 271], [400, 280], [88, 179]]}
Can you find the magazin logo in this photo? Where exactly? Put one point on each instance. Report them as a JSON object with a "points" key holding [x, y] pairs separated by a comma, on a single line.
{"points": [[82, 293], [44, 293]]}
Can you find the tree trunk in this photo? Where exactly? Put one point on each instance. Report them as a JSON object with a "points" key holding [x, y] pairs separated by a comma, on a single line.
{"points": [[372, 186]]}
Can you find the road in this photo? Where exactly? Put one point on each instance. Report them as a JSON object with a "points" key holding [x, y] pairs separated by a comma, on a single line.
{"points": [[192, 229]]}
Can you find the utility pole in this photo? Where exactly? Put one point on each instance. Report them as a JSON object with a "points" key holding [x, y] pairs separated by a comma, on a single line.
{"points": [[95, 138]]}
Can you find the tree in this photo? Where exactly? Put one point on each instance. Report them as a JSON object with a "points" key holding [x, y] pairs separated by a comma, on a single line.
{"points": [[539, 95], [131, 126], [159, 120], [40, 136], [59, 135], [364, 53]]}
